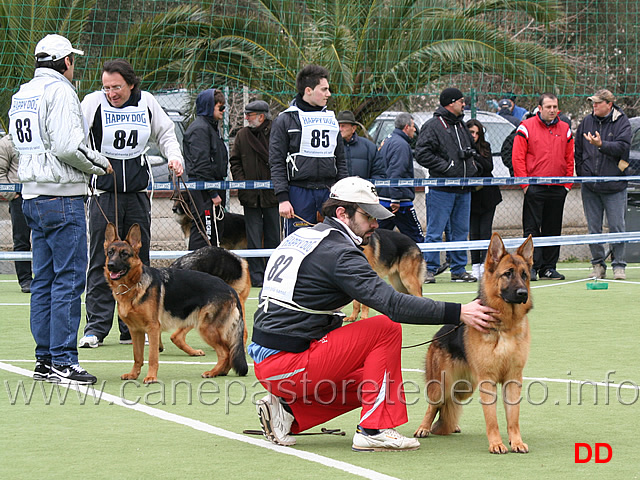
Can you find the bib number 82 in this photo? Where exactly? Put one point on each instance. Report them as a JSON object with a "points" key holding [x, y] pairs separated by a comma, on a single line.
{"points": [[279, 266]]}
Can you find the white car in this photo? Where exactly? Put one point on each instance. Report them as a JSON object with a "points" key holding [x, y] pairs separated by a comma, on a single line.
{"points": [[496, 127]]}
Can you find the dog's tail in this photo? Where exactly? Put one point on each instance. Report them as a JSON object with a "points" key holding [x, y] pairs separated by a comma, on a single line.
{"points": [[238, 358]]}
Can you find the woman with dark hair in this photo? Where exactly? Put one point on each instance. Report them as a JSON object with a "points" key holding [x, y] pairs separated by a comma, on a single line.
{"points": [[483, 200]]}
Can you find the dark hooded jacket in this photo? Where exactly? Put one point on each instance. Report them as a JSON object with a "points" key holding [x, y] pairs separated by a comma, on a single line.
{"points": [[205, 152], [591, 161], [441, 141]]}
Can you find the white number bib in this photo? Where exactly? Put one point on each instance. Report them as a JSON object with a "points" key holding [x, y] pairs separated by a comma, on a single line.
{"points": [[282, 268], [125, 131], [23, 118], [320, 132]]}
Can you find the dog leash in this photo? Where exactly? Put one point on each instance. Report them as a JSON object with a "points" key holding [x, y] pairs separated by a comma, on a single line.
{"points": [[177, 196], [323, 431], [435, 338]]}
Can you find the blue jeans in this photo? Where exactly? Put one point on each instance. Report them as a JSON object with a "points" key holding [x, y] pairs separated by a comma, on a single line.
{"points": [[453, 207], [59, 244], [306, 203], [595, 205]]}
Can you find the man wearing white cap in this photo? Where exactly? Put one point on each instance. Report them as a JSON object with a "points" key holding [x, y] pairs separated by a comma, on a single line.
{"points": [[48, 131], [316, 369]]}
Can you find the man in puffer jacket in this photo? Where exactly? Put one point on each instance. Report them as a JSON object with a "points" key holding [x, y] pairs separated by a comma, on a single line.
{"points": [[602, 150], [306, 153], [397, 157], [445, 147], [359, 152], [47, 128]]}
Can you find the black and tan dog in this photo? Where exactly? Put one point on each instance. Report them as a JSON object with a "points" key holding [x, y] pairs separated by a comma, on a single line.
{"points": [[151, 300], [221, 263], [475, 359], [396, 256]]}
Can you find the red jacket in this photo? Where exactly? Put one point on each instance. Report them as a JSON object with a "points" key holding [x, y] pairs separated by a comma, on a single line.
{"points": [[541, 150]]}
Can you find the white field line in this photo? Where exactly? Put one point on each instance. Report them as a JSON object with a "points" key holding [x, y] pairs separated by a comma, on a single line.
{"points": [[410, 370], [205, 427]]}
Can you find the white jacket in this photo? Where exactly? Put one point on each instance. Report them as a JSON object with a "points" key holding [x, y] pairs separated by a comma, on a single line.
{"points": [[62, 170]]}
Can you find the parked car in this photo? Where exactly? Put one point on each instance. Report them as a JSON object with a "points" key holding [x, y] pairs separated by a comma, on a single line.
{"points": [[497, 129], [159, 164]]}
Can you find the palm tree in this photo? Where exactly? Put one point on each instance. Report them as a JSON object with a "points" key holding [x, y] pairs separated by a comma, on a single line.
{"points": [[22, 24], [377, 51]]}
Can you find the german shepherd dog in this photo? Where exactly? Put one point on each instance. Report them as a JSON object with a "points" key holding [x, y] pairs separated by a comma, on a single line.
{"points": [[151, 300], [221, 263], [234, 236], [397, 256], [472, 358]]}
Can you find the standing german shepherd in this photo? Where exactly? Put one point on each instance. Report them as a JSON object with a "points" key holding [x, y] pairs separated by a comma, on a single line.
{"points": [[473, 358], [397, 256], [151, 300], [221, 263]]}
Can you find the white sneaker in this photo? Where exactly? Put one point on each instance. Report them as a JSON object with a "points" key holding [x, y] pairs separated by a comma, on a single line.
{"points": [[89, 341], [475, 270], [275, 421], [388, 440]]}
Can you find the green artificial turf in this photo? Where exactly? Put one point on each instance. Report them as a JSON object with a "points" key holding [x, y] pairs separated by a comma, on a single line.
{"points": [[577, 335]]}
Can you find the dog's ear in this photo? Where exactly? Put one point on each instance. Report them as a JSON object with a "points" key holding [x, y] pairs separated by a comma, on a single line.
{"points": [[526, 250], [110, 235], [495, 252], [134, 238]]}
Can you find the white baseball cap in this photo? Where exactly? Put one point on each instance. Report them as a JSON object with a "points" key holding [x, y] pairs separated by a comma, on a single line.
{"points": [[361, 192], [56, 46]]}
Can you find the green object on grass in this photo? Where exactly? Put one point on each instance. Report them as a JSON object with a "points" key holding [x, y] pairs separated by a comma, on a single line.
{"points": [[596, 285]]}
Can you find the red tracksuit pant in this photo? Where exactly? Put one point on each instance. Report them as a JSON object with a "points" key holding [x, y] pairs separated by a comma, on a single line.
{"points": [[357, 365]]}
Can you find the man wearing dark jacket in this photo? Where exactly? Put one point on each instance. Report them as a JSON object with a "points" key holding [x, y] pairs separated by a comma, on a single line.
{"points": [[306, 152], [314, 368], [250, 161], [397, 157], [445, 147], [359, 152], [602, 150], [206, 158]]}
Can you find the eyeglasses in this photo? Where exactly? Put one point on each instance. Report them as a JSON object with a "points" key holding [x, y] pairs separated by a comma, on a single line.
{"points": [[221, 108], [115, 88], [368, 217]]}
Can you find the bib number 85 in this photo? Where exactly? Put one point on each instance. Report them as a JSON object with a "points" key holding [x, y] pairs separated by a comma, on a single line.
{"points": [[320, 137]]}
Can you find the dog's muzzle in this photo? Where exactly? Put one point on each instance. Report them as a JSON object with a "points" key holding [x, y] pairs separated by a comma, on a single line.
{"points": [[520, 295]]}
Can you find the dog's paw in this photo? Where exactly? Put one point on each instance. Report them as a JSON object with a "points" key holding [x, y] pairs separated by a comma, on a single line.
{"points": [[498, 448], [421, 432], [198, 353], [150, 379], [129, 376], [520, 447], [349, 319]]}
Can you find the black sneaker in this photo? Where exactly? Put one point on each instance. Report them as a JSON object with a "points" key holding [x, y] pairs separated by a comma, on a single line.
{"points": [[42, 370], [442, 268], [534, 275], [26, 287], [463, 277], [551, 274], [429, 277], [71, 373]]}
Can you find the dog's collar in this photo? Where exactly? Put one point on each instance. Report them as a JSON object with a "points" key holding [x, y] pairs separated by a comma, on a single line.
{"points": [[127, 290]]}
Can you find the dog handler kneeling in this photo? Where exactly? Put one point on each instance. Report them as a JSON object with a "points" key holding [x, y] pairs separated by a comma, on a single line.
{"points": [[316, 369]]}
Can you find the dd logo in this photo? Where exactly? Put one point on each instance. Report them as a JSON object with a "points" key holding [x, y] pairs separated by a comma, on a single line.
{"points": [[589, 452]]}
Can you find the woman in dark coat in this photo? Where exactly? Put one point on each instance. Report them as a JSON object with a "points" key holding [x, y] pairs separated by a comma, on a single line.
{"points": [[484, 199]]}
